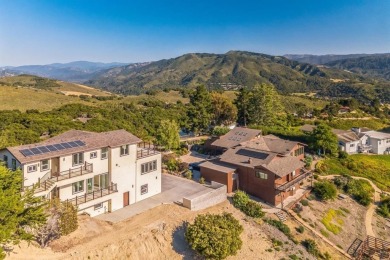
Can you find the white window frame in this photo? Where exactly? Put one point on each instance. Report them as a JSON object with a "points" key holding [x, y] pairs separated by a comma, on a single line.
{"points": [[76, 188], [93, 155], [32, 168], [124, 150], [45, 166], [144, 189], [79, 160], [261, 175], [104, 153]]}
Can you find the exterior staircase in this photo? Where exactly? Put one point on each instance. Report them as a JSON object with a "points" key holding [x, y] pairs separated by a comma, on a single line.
{"points": [[281, 215]]}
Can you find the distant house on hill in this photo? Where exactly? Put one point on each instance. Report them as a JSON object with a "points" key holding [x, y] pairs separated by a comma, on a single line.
{"points": [[267, 167], [359, 140]]}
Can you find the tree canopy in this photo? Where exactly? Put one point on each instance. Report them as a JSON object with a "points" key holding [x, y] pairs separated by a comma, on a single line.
{"points": [[168, 134], [324, 140], [223, 110], [19, 212], [199, 110]]}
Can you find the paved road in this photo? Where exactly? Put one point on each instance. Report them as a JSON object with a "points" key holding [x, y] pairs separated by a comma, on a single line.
{"points": [[371, 209]]}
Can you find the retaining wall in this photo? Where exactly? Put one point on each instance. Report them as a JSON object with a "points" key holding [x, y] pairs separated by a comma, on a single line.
{"points": [[205, 199]]}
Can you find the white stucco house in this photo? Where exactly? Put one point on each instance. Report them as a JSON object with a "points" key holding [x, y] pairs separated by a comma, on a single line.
{"points": [[96, 172], [377, 142]]}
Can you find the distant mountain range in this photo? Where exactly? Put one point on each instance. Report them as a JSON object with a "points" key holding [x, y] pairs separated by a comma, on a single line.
{"points": [[322, 59], [77, 71]]}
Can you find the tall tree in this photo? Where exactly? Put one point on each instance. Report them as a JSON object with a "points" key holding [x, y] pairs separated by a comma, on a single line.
{"points": [[223, 109], [19, 212], [168, 134], [199, 111], [324, 140], [242, 104]]}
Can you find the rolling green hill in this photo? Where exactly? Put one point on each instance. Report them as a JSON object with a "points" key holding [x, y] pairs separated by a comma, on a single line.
{"points": [[377, 66], [235, 69]]}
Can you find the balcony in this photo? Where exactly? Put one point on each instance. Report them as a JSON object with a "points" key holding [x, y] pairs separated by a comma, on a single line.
{"points": [[93, 195], [49, 179], [296, 180], [146, 150]]}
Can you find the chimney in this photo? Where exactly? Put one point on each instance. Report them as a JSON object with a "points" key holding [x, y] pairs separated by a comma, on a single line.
{"points": [[249, 160]]}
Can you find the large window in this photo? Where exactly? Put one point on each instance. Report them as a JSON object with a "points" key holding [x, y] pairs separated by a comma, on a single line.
{"points": [[45, 166], [5, 159], [78, 158], [299, 151], [89, 185], [124, 150], [101, 181], [144, 189], [78, 187], [104, 153], [148, 167], [261, 175]]}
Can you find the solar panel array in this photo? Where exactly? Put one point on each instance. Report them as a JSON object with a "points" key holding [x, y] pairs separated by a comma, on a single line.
{"points": [[253, 154], [51, 148]]}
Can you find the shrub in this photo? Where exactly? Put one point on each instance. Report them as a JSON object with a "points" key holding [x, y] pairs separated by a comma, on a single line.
{"points": [[215, 236], [220, 130], [311, 247], [300, 229], [304, 202], [188, 174], [384, 208], [201, 180], [281, 226], [253, 209], [343, 155], [324, 233], [361, 191], [325, 190], [68, 219], [240, 199], [316, 176], [308, 161], [345, 210]]}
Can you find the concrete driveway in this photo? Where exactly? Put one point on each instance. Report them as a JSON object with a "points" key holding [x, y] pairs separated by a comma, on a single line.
{"points": [[173, 189]]}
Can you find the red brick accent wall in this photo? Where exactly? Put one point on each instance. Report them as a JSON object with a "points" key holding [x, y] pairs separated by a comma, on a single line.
{"points": [[221, 177]]}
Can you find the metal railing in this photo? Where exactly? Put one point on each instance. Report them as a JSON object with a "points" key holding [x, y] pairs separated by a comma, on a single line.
{"points": [[146, 152], [93, 195], [294, 181]]}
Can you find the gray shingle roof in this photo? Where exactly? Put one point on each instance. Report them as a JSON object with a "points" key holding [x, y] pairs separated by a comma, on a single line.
{"points": [[218, 166], [92, 141], [236, 136]]}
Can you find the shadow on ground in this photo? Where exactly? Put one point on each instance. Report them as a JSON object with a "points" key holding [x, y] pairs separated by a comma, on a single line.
{"points": [[180, 245]]}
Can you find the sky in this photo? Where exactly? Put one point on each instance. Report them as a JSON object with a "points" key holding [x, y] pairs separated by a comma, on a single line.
{"points": [[49, 31]]}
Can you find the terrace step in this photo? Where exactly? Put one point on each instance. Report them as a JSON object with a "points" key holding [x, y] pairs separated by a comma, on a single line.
{"points": [[281, 215]]}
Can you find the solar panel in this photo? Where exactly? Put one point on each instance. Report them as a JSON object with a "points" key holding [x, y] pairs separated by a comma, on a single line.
{"points": [[51, 148], [253, 154], [43, 149], [80, 143], [35, 151], [73, 144], [59, 147], [26, 152], [66, 145]]}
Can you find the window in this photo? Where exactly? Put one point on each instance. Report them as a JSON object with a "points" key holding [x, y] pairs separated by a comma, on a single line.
{"points": [[78, 187], [144, 189], [148, 167], [78, 158], [13, 164], [351, 145], [98, 206], [89, 185], [104, 153], [124, 150], [32, 168], [5, 158], [45, 165], [101, 181], [299, 151], [261, 175], [93, 155], [293, 173]]}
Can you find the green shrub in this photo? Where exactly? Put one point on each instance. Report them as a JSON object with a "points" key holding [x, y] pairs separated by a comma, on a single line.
{"points": [[300, 229], [215, 236], [325, 190], [343, 155], [201, 180], [324, 233], [384, 208], [316, 176], [304, 202], [281, 226], [253, 209], [311, 247], [361, 191], [308, 161], [68, 219], [345, 210], [188, 174], [240, 199]]}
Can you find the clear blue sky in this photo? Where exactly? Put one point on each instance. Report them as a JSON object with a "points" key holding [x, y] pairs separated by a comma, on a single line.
{"points": [[47, 31]]}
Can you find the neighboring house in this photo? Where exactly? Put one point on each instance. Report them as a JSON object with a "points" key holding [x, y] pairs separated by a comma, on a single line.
{"points": [[344, 110], [359, 140], [96, 172], [267, 167], [234, 137]]}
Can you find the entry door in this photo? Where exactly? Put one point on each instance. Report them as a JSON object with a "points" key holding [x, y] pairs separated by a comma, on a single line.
{"points": [[125, 199], [55, 166]]}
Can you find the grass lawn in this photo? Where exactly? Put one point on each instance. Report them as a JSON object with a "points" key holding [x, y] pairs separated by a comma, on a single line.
{"points": [[373, 167], [333, 221]]}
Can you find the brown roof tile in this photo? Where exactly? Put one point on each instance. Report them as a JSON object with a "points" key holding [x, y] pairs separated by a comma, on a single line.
{"points": [[236, 136]]}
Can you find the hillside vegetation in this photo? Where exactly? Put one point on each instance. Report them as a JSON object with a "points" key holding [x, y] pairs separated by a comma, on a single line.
{"points": [[373, 167]]}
